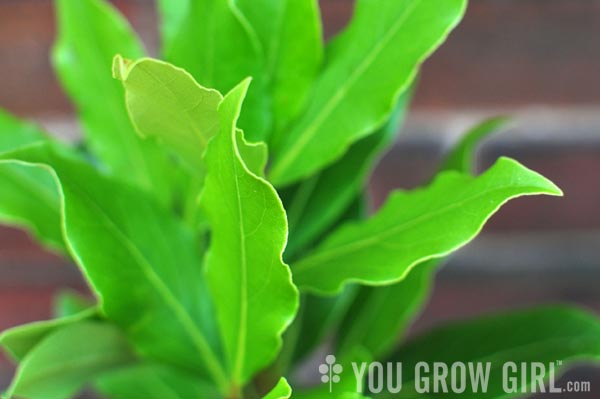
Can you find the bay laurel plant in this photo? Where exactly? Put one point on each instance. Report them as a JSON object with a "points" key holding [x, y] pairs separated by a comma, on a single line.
{"points": [[216, 207]]}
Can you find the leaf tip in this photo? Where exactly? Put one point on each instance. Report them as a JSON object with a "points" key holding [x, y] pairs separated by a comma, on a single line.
{"points": [[554, 190], [545, 185], [244, 85]]}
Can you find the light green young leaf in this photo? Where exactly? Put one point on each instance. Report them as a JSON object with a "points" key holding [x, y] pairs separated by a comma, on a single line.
{"points": [[317, 203], [91, 32], [165, 102], [368, 66], [291, 37], [540, 335], [281, 391], [380, 315], [416, 226], [153, 381], [217, 45], [18, 341], [29, 197], [251, 286], [118, 235], [460, 158], [68, 359]]}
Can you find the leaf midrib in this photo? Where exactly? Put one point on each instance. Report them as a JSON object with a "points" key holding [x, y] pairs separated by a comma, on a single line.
{"points": [[241, 341], [164, 292], [333, 252], [308, 133]]}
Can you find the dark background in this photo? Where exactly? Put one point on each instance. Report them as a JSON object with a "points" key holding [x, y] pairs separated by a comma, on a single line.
{"points": [[537, 60]]}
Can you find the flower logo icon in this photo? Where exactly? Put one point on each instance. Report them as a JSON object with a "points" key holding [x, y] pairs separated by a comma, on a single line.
{"points": [[330, 371]]}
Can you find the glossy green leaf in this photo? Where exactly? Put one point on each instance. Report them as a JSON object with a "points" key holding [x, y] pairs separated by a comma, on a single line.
{"points": [[380, 316], [251, 286], [29, 198], [217, 45], [461, 158], [119, 235], [165, 102], [172, 14], [416, 226], [291, 38], [153, 381], [15, 133], [68, 359], [91, 32], [68, 303], [255, 155], [281, 391], [317, 203], [18, 341], [545, 335], [320, 317], [368, 66], [376, 321]]}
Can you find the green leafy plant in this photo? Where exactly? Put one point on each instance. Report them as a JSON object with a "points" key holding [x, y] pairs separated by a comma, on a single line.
{"points": [[220, 220]]}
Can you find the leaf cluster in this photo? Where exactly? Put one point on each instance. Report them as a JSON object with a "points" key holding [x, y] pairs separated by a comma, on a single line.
{"points": [[216, 205]]}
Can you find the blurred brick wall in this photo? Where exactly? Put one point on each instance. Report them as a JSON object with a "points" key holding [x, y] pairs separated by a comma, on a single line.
{"points": [[506, 56], [536, 59], [505, 53]]}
